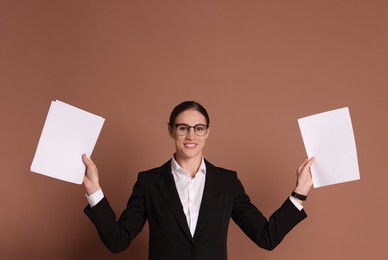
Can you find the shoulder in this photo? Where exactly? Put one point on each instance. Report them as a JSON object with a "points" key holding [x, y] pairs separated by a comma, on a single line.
{"points": [[156, 172], [219, 170]]}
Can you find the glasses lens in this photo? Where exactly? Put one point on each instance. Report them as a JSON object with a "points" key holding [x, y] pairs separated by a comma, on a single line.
{"points": [[182, 129], [200, 130]]}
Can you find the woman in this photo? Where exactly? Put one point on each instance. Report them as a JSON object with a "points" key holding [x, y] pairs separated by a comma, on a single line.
{"points": [[188, 202]]}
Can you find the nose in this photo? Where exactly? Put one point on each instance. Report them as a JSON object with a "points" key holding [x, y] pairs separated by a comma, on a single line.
{"points": [[191, 134]]}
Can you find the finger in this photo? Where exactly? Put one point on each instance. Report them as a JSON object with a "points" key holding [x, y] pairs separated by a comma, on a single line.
{"points": [[300, 168], [87, 161], [310, 162]]}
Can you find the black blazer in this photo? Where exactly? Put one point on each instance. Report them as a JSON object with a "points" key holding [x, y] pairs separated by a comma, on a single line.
{"points": [[155, 199]]}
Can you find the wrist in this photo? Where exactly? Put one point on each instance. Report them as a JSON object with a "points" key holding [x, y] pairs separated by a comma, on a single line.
{"points": [[302, 190], [298, 196], [92, 189]]}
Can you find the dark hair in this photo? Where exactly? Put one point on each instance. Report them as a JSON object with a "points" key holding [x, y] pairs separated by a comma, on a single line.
{"points": [[187, 105]]}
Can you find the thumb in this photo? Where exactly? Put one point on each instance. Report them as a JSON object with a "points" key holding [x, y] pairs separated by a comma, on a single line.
{"points": [[87, 161]]}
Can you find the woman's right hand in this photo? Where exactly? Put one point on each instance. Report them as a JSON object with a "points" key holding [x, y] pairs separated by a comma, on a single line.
{"points": [[91, 176]]}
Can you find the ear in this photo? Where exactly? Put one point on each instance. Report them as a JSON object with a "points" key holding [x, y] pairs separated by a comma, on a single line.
{"points": [[207, 134], [170, 131]]}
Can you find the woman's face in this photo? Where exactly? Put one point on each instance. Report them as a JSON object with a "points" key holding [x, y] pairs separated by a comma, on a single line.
{"points": [[189, 145]]}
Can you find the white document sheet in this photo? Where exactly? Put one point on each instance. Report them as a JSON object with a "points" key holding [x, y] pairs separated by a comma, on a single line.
{"points": [[329, 137], [67, 133]]}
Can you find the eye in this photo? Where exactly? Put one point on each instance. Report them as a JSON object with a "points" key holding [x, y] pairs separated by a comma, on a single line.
{"points": [[182, 127], [200, 128]]}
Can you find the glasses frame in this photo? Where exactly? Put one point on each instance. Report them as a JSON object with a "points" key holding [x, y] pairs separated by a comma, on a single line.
{"points": [[191, 126]]}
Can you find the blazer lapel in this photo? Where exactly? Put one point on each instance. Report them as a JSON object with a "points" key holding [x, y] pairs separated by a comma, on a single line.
{"points": [[167, 188], [208, 200]]}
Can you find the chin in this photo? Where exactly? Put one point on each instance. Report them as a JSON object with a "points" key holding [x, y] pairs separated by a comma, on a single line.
{"points": [[188, 155]]}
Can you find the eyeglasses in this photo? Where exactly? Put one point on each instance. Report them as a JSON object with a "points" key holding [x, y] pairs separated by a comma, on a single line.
{"points": [[184, 129]]}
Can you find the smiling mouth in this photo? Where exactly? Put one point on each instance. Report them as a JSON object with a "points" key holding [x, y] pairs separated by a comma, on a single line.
{"points": [[190, 145]]}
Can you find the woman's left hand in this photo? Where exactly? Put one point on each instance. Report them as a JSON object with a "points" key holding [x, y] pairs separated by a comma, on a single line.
{"points": [[304, 180]]}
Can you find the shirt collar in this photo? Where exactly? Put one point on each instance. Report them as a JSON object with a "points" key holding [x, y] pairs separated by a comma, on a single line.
{"points": [[176, 168]]}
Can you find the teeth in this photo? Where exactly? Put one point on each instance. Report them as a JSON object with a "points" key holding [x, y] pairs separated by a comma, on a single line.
{"points": [[190, 145]]}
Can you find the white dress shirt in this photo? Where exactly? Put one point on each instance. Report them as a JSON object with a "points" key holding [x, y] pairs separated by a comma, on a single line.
{"points": [[190, 190]]}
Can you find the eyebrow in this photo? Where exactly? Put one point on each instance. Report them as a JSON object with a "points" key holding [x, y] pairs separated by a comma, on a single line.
{"points": [[190, 125]]}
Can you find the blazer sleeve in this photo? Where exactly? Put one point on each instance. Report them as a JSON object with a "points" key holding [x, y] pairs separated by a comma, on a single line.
{"points": [[265, 233], [118, 234]]}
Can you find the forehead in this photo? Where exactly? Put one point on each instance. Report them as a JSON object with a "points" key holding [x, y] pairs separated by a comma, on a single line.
{"points": [[190, 117]]}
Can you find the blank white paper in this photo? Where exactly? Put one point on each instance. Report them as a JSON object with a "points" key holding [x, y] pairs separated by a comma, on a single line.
{"points": [[329, 137], [67, 133]]}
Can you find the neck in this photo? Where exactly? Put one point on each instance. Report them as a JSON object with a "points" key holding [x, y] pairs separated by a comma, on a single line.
{"points": [[190, 165]]}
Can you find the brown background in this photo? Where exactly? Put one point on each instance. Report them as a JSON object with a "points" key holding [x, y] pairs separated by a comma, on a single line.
{"points": [[257, 66]]}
